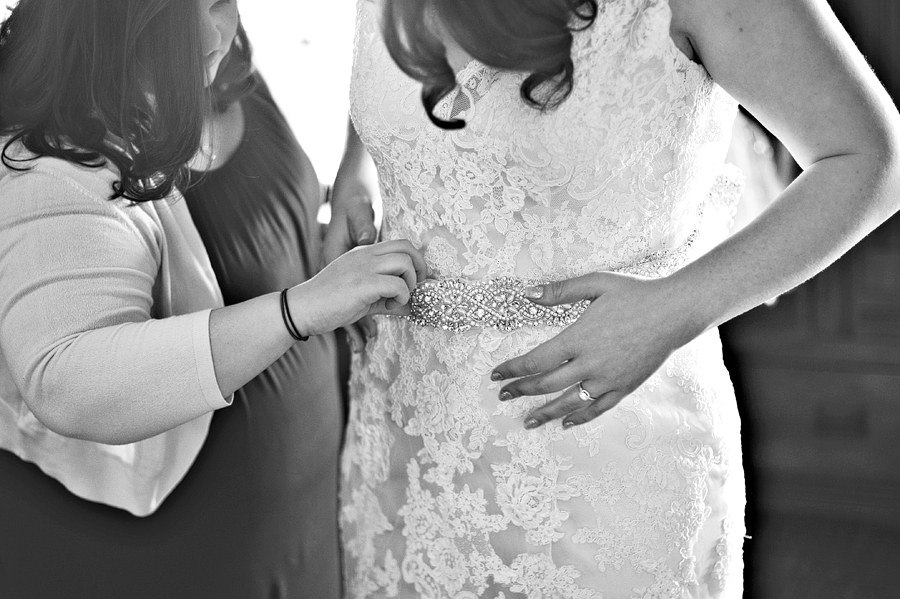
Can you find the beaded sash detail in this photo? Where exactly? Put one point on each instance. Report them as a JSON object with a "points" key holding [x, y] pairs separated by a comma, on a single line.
{"points": [[456, 304], [460, 304]]}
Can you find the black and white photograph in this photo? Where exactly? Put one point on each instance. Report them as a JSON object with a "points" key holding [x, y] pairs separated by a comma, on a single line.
{"points": [[449, 299]]}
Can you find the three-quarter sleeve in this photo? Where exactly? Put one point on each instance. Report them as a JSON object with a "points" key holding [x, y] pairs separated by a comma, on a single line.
{"points": [[82, 327]]}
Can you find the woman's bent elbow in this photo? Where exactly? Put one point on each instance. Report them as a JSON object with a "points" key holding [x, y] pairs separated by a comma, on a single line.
{"points": [[78, 420]]}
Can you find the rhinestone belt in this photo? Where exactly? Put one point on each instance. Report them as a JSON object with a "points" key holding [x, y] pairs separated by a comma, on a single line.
{"points": [[460, 304]]}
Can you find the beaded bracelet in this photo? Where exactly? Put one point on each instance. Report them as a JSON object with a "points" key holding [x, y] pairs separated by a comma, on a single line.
{"points": [[288, 321]]}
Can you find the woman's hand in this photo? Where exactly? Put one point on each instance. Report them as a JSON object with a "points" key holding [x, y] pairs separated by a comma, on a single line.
{"points": [[355, 187], [794, 68], [352, 218], [367, 280], [631, 326]]}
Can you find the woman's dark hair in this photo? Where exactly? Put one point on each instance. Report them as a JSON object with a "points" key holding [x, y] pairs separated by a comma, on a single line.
{"points": [[533, 36], [119, 80]]}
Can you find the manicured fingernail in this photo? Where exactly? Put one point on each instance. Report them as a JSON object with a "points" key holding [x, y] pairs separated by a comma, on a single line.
{"points": [[532, 423], [534, 292], [568, 424], [365, 237], [505, 396], [496, 376]]}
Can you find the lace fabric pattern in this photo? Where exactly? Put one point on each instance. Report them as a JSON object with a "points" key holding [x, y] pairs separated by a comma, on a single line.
{"points": [[444, 494]]}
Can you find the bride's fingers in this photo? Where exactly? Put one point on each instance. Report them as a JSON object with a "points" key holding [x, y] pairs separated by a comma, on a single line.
{"points": [[573, 409], [545, 356], [550, 381], [361, 221], [569, 291], [355, 337], [601, 404], [557, 408], [368, 326]]}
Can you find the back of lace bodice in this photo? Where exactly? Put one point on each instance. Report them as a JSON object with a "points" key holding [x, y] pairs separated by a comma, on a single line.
{"points": [[617, 174]]}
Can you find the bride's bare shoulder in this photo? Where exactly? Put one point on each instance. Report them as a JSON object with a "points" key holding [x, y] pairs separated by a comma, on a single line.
{"points": [[694, 20]]}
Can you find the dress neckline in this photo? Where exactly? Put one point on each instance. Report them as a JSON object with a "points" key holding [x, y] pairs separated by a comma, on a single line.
{"points": [[471, 67]]}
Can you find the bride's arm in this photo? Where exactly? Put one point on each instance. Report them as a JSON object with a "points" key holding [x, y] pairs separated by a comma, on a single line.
{"points": [[352, 219], [791, 64], [355, 186]]}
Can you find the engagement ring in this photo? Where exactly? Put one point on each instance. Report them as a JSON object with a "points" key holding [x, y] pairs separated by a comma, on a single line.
{"points": [[583, 394]]}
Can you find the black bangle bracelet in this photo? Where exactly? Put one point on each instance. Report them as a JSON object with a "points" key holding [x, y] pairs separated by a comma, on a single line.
{"points": [[288, 321]]}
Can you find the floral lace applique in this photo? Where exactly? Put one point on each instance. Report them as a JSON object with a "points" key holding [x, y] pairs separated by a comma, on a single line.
{"points": [[444, 494]]}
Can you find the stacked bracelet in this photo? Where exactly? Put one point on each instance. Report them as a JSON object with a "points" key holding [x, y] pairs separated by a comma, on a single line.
{"points": [[288, 321]]}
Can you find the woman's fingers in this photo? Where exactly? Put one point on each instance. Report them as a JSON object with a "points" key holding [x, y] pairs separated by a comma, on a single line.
{"points": [[545, 356], [555, 351], [355, 337], [397, 264], [569, 291], [572, 409], [368, 326], [393, 294], [399, 259], [613, 347], [550, 381], [390, 307], [361, 222], [359, 332], [597, 407], [555, 409], [336, 243], [403, 246]]}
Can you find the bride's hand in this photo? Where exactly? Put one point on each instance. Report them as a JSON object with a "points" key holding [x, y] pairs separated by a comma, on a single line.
{"points": [[630, 328], [352, 224]]}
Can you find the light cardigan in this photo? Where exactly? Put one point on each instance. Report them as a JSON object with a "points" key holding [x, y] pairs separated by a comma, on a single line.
{"points": [[102, 298]]}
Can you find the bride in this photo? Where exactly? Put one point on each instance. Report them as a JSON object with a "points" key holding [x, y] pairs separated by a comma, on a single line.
{"points": [[560, 164]]}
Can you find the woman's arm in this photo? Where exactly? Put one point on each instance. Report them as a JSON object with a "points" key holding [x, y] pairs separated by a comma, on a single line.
{"points": [[87, 348], [352, 219], [355, 186], [791, 64], [376, 279]]}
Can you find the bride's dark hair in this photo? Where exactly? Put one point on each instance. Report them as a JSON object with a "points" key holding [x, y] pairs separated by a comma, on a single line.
{"points": [[91, 81], [533, 36]]}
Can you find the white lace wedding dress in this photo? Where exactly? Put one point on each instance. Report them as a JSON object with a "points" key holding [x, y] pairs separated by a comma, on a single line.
{"points": [[444, 493]]}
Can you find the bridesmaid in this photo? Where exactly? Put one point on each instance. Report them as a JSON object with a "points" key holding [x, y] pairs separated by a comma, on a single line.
{"points": [[255, 202], [254, 517]]}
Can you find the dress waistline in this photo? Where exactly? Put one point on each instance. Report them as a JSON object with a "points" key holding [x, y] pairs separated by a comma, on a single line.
{"points": [[460, 304]]}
